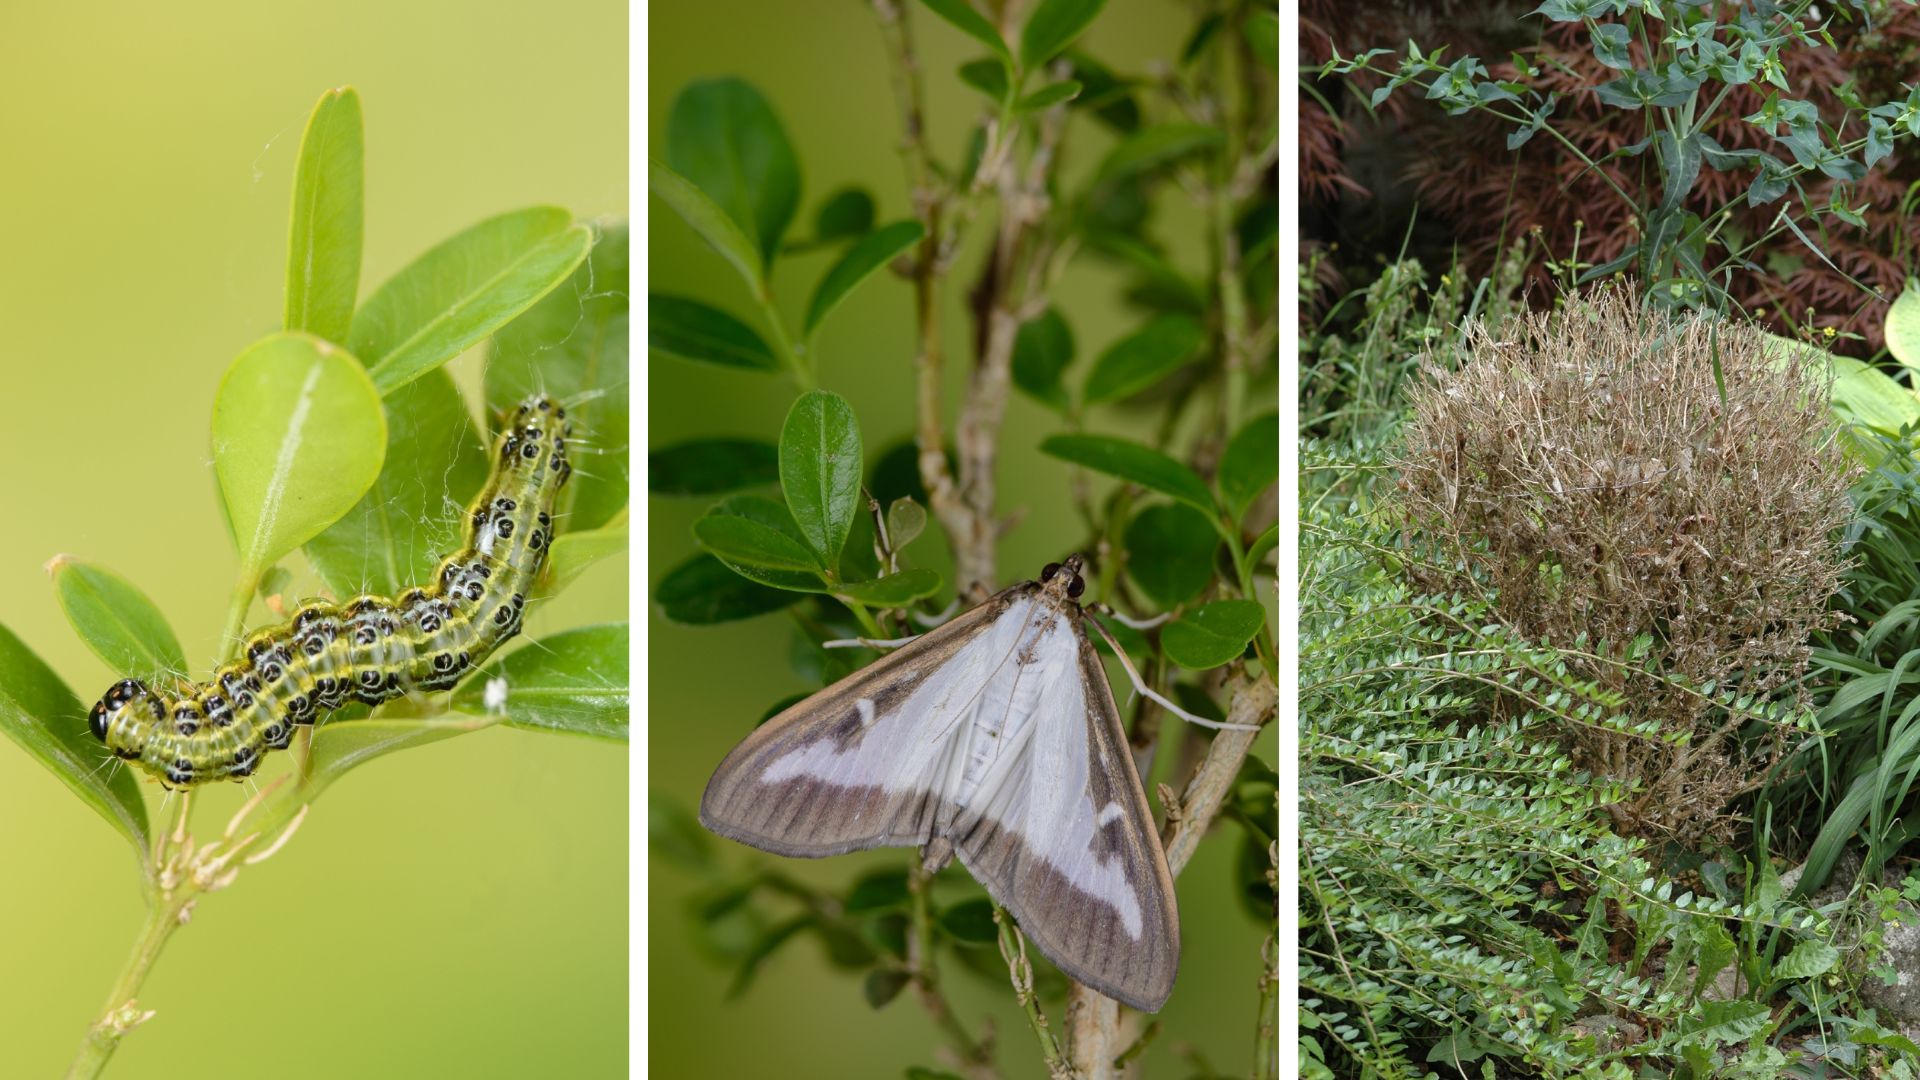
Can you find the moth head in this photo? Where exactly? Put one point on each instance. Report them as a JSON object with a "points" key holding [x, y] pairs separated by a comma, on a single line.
{"points": [[1065, 579], [122, 717]]}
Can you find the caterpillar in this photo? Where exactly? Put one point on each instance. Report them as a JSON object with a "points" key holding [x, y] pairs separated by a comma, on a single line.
{"points": [[370, 649]]}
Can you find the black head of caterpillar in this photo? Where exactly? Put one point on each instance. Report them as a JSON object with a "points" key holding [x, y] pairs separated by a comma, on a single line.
{"points": [[370, 648]]}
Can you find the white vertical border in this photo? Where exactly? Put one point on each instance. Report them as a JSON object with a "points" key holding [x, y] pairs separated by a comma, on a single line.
{"points": [[1286, 638], [638, 614]]}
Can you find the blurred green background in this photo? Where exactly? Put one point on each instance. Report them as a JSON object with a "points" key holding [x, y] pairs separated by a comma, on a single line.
{"points": [[826, 76], [460, 910]]}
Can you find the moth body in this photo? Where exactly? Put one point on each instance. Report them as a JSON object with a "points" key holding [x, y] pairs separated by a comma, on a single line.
{"points": [[370, 648]]}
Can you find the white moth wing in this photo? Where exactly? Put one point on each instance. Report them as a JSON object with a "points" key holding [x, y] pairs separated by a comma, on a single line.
{"points": [[862, 763], [1058, 828]]}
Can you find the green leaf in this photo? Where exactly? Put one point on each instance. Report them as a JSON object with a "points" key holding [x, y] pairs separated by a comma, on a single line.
{"points": [[712, 223], [1049, 96], [1251, 462], [1720, 1022], [42, 715], [1133, 462], [323, 244], [1808, 959], [1903, 326], [881, 890], [691, 330], [745, 540], [394, 537], [673, 831], [298, 437], [820, 470], [703, 592], [116, 620], [340, 746], [1052, 27], [1212, 634], [574, 682], [712, 466], [873, 251], [572, 346], [973, 24], [1263, 33], [884, 984], [970, 922], [725, 139], [1042, 349], [569, 556], [1170, 551], [906, 520], [1152, 147], [1143, 358], [846, 214], [895, 590], [463, 289], [988, 76]]}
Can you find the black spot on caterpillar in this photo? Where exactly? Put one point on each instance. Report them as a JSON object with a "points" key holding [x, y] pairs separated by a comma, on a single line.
{"points": [[368, 649]]}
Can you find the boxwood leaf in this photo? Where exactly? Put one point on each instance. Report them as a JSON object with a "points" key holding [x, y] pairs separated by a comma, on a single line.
{"points": [[1152, 147], [970, 922], [724, 137], [571, 554], [1250, 463], [870, 253], [820, 470], [987, 75], [298, 437], [720, 232], [1052, 27], [1131, 461], [396, 534], [1050, 95], [743, 540], [894, 590], [845, 214], [906, 520], [574, 682], [116, 619], [50, 724], [1212, 634], [1143, 358], [1042, 349], [1170, 551], [881, 890], [712, 466], [323, 242], [961, 14], [702, 591], [692, 330], [463, 289]]}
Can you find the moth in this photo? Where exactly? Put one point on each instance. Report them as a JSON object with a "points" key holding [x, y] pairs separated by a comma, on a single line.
{"points": [[368, 649], [994, 739]]}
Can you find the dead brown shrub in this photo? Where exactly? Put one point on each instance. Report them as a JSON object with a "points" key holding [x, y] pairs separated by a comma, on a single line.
{"points": [[1584, 463]]}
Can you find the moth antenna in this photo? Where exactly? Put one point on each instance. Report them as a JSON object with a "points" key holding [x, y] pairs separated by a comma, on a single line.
{"points": [[938, 617], [1140, 687], [869, 643]]}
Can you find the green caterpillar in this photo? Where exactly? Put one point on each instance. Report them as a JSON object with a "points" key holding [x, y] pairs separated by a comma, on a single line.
{"points": [[369, 649]]}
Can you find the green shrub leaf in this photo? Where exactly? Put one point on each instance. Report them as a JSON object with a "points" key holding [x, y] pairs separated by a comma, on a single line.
{"points": [[394, 537], [341, 746], [1049, 96], [820, 470], [987, 75], [691, 330], [1212, 634], [873, 251], [906, 520], [725, 138], [298, 437], [744, 540], [572, 346], [1131, 461], [116, 620], [570, 555], [1170, 552], [712, 223], [881, 890], [1152, 147], [463, 289], [970, 922], [1052, 27], [1042, 349], [973, 24], [1143, 358], [50, 724], [323, 244], [1263, 33], [846, 214], [1251, 462], [702, 592], [574, 682], [895, 590], [712, 466]]}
